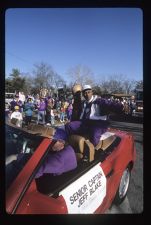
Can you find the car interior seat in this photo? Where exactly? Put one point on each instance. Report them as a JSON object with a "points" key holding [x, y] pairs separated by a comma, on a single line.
{"points": [[84, 149], [106, 140]]}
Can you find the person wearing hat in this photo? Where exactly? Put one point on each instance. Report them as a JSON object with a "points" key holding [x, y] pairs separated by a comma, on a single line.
{"points": [[93, 119], [28, 109], [15, 102], [77, 100], [17, 117]]}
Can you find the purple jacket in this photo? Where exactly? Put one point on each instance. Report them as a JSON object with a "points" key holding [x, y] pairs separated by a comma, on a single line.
{"points": [[42, 106], [15, 103], [59, 162], [98, 108]]}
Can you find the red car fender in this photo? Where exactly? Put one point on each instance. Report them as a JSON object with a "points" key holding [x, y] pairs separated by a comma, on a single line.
{"points": [[113, 163], [34, 202]]}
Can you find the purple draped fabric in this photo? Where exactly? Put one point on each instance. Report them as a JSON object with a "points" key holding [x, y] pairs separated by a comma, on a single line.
{"points": [[59, 162]]}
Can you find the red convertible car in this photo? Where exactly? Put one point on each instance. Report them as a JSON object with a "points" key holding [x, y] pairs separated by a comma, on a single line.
{"points": [[97, 182]]}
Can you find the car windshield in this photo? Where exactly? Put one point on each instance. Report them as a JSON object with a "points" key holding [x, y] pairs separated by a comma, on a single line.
{"points": [[19, 147]]}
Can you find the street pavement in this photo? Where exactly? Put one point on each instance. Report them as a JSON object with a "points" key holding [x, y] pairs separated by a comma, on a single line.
{"points": [[134, 202], [124, 208]]}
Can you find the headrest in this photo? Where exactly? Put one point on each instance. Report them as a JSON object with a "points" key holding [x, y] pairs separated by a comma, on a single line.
{"points": [[84, 148], [106, 135], [77, 142]]}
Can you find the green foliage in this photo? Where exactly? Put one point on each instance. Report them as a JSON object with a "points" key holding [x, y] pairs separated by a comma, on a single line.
{"points": [[15, 82]]}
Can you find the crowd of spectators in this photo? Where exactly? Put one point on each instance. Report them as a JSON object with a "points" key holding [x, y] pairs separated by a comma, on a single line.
{"points": [[44, 109], [48, 110]]}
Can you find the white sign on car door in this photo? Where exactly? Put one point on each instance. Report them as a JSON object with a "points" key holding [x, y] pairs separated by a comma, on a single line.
{"points": [[86, 194]]}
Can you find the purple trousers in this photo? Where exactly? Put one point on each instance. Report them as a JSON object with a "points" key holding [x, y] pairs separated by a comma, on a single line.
{"points": [[93, 128]]}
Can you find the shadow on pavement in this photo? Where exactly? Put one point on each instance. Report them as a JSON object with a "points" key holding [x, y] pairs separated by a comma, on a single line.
{"points": [[126, 118]]}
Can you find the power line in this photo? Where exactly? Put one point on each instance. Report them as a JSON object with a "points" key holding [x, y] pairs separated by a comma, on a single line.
{"points": [[18, 57]]}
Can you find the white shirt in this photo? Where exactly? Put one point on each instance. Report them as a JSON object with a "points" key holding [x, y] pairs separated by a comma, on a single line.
{"points": [[17, 115], [95, 110]]}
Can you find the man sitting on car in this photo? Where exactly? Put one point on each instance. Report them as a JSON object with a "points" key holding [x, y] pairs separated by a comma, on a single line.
{"points": [[94, 116]]}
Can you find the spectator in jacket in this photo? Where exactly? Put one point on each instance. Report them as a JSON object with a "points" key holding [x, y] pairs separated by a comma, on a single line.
{"points": [[28, 109], [62, 112], [69, 111], [41, 110], [16, 102], [49, 111]]}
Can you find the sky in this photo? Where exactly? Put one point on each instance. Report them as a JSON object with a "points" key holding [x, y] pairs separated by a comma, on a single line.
{"points": [[109, 41]]}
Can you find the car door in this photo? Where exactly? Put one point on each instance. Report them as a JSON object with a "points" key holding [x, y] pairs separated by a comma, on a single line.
{"points": [[18, 187]]}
